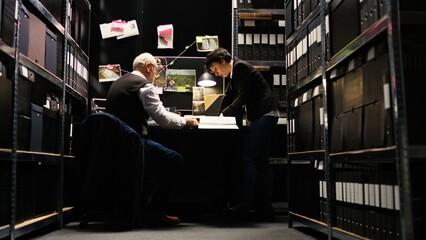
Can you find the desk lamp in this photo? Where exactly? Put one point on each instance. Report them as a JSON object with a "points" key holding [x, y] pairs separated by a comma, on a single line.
{"points": [[204, 44]]}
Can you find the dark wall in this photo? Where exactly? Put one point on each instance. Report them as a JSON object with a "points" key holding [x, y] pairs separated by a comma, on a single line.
{"points": [[189, 18]]}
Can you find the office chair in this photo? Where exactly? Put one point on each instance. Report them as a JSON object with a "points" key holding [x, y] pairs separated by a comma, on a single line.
{"points": [[111, 157]]}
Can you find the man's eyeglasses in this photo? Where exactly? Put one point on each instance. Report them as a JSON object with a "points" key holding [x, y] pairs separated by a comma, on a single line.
{"points": [[157, 67]]}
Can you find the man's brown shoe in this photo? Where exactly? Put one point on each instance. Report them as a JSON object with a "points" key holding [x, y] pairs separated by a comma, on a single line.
{"points": [[168, 220], [160, 220]]}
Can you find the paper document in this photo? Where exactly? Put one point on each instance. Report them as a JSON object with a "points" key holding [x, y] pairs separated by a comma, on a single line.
{"points": [[214, 122]]}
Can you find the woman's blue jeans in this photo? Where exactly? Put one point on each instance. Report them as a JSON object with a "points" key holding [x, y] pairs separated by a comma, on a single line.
{"points": [[257, 173]]}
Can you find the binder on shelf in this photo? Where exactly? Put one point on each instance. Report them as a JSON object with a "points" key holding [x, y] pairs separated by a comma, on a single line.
{"points": [[272, 47], [343, 19], [280, 47], [24, 34], [241, 46], [382, 8], [50, 131], [248, 46], [317, 98], [291, 63], [352, 130], [374, 125], [304, 123], [327, 37], [352, 90], [241, 3], [248, 3], [6, 103], [364, 15], [299, 12], [336, 136], [375, 74], [314, 45], [256, 46], [374, 12], [264, 46], [51, 50], [36, 128], [37, 40], [24, 96], [301, 58], [289, 19]]}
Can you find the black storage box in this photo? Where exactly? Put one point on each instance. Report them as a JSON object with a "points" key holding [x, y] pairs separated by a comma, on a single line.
{"points": [[36, 128]]}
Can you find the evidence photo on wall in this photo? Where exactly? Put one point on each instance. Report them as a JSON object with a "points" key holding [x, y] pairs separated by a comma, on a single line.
{"points": [[181, 80], [110, 72], [198, 102]]}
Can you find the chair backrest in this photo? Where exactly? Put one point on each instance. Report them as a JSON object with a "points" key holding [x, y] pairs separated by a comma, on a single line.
{"points": [[111, 156]]}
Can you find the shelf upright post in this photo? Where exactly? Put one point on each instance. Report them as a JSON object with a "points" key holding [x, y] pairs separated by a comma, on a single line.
{"points": [[399, 117], [18, 9], [327, 163], [62, 112]]}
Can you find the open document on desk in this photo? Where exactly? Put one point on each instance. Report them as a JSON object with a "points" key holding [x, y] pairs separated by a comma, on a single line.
{"points": [[214, 122]]}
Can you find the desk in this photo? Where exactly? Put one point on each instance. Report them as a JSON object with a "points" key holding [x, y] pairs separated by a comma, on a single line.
{"points": [[210, 176]]}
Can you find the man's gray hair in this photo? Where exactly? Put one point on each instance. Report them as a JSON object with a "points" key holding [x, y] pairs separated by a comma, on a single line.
{"points": [[143, 59]]}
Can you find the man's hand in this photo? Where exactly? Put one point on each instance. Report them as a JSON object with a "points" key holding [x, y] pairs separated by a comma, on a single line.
{"points": [[191, 122]]}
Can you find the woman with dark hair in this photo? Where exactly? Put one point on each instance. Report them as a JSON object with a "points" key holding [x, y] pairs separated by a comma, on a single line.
{"points": [[247, 88]]}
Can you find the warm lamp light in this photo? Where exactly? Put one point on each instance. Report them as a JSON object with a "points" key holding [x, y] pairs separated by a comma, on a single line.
{"points": [[206, 79], [204, 44]]}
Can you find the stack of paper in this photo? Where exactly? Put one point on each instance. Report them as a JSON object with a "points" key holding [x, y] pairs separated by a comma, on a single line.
{"points": [[214, 122]]}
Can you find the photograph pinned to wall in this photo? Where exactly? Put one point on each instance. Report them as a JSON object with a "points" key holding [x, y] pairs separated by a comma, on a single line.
{"points": [[160, 79], [206, 43], [198, 102], [108, 73], [119, 28], [181, 80], [165, 36], [130, 29]]}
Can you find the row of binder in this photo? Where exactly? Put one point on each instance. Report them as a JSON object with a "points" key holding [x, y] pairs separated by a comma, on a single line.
{"points": [[367, 202], [296, 11], [371, 11], [305, 124], [367, 127], [77, 71], [261, 46], [360, 111], [279, 86], [304, 53]]}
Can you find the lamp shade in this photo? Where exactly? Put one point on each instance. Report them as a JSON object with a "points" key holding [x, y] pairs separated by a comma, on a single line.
{"points": [[206, 79]]}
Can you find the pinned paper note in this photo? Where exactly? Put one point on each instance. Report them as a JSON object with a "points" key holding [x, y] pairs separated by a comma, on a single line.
{"points": [[110, 72], [119, 28], [165, 36], [130, 30], [118, 25]]}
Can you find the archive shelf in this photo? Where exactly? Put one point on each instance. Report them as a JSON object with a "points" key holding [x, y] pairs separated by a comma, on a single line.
{"points": [[366, 117], [258, 38], [39, 104]]}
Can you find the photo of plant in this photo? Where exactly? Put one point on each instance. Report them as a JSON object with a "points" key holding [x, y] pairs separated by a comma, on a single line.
{"points": [[182, 80]]}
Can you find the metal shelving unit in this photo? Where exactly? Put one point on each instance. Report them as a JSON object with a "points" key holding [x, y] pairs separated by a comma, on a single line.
{"points": [[29, 173], [400, 156]]}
